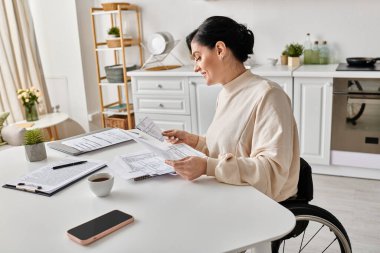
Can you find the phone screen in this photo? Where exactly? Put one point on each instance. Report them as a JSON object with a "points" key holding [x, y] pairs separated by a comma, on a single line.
{"points": [[99, 224]]}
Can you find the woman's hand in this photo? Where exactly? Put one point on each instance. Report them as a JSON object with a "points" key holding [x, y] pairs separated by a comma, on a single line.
{"points": [[190, 167], [179, 136]]}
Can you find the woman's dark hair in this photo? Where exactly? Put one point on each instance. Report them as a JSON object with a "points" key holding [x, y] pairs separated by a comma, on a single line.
{"points": [[236, 36]]}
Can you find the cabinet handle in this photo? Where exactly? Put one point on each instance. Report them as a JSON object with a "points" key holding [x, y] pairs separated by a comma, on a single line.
{"points": [[193, 83], [161, 105], [159, 86]]}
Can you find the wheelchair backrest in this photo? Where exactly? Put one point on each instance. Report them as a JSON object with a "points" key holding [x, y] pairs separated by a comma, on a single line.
{"points": [[305, 182]]}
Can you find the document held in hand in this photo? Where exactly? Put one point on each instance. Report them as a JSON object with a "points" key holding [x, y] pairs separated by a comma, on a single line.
{"points": [[163, 149], [150, 162]]}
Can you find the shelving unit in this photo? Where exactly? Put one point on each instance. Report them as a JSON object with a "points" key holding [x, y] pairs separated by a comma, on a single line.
{"points": [[119, 57]]}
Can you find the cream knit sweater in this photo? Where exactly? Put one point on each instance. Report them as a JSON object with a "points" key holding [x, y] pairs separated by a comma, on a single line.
{"points": [[253, 138]]}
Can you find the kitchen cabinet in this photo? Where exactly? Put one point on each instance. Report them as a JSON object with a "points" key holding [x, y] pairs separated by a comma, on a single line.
{"points": [[280, 74], [313, 110], [164, 99], [204, 99]]}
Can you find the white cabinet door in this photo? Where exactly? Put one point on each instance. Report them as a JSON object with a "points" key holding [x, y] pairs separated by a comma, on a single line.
{"points": [[313, 110], [286, 82], [205, 98]]}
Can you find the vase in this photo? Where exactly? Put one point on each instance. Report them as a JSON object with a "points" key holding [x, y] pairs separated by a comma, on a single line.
{"points": [[31, 113], [36, 152]]}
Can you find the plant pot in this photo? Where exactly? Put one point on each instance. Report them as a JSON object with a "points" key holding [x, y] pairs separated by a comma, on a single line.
{"points": [[284, 60], [115, 42], [36, 152], [293, 62]]}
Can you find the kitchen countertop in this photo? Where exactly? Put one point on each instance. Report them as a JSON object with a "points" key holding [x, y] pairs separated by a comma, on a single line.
{"points": [[187, 70], [328, 71]]}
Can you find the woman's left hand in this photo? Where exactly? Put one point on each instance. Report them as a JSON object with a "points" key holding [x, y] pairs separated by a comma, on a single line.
{"points": [[190, 167]]}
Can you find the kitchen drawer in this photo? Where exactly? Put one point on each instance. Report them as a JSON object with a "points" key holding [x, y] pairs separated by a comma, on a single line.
{"points": [[166, 122], [169, 105], [158, 85]]}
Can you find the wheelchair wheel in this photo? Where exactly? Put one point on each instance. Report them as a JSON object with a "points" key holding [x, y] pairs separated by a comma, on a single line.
{"points": [[316, 230]]}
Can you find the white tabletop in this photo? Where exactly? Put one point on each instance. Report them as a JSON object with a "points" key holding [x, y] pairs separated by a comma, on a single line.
{"points": [[47, 120], [171, 214]]}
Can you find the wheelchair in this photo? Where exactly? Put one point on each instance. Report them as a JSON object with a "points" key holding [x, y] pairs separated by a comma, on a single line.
{"points": [[316, 229]]}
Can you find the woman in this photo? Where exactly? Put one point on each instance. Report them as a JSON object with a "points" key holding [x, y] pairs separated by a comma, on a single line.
{"points": [[253, 137]]}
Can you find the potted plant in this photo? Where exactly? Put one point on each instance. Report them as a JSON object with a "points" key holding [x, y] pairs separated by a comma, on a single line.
{"points": [[294, 50], [113, 39], [114, 32], [284, 57], [34, 145]]}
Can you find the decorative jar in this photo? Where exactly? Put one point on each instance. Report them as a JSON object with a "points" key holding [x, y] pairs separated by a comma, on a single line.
{"points": [[31, 113]]}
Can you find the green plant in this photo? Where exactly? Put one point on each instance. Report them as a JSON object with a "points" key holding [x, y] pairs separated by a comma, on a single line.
{"points": [[114, 31], [285, 52], [294, 50], [33, 136]]}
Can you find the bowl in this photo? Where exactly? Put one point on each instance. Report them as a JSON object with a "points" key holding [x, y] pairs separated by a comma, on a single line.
{"points": [[273, 61]]}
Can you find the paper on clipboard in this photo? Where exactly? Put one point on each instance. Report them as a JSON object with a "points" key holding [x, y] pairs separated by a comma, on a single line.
{"points": [[47, 181]]}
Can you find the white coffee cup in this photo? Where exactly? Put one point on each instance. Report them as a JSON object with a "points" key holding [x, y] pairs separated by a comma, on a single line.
{"points": [[101, 183]]}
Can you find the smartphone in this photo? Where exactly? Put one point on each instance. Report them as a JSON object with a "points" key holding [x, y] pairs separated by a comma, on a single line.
{"points": [[99, 227]]}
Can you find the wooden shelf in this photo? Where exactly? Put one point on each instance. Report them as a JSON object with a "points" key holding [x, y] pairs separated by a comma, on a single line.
{"points": [[102, 46], [120, 55], [101, 11]]}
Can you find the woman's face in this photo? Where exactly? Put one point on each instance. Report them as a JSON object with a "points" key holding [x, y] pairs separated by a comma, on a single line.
{"points": [[207, 62]]}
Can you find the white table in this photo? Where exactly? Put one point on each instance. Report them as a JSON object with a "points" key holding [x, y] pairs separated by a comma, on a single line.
{"points": [[171, 214], [48, 121]]}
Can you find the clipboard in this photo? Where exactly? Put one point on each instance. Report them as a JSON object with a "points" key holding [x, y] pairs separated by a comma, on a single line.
{"points": [[36, 189]]}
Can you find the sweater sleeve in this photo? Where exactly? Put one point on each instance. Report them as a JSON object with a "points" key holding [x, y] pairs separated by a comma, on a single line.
{"points": [[202, 146], [271, 151]]}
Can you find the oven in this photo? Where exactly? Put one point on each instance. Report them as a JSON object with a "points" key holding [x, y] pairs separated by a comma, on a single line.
{"points": [[356, 115]]}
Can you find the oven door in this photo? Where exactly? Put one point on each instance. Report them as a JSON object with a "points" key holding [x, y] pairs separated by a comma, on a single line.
{"points": [[356, 115]]}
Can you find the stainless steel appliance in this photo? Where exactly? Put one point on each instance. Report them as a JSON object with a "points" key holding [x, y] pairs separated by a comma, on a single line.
{"points": [[356, 115]]}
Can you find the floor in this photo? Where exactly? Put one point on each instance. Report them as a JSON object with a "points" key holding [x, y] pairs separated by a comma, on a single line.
{"points": [[356, 203]]}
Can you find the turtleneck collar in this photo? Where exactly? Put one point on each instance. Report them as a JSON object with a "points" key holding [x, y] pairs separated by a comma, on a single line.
{"points": [[232, 85]]}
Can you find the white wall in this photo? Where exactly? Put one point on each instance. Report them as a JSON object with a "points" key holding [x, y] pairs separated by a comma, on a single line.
{"points": [[351, 28], [56, 29]]}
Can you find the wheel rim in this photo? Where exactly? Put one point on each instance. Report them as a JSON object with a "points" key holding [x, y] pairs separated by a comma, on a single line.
{"points": [[306, 241]]}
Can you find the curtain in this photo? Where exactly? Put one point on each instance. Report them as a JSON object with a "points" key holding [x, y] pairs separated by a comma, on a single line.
{"points": [[20, 65]]}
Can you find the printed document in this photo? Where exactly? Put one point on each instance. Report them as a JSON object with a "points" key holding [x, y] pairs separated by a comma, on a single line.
{"points": [[165, 150], [98, 140], [150, 162], [147, 126], [139, 164]]}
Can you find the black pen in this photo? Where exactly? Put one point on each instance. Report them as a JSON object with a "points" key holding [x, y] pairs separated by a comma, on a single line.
{"points": [[68, 165]]}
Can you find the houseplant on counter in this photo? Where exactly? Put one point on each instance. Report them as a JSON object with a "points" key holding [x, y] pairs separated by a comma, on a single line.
{"points": [[34, 145], [294, 50], [284, 57]]}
